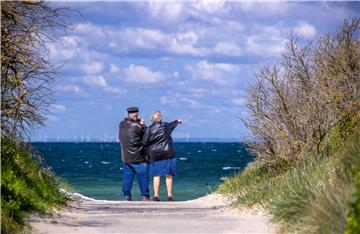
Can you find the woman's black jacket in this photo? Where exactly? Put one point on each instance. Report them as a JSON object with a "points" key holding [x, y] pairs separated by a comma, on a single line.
{"points": [[158, 140]]}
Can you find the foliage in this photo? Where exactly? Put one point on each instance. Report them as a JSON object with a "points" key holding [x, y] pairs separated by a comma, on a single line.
{"points": [[310, 198], [305, 115], [298, 100], [25, 186], [26, 73], [354, 211]]}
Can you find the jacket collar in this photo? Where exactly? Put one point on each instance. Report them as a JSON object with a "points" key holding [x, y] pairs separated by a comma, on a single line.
{"points": [[129, 119], [156, 123]]}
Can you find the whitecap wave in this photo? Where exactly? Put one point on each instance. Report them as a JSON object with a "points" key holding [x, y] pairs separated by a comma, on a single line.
{"points": [[182, 159], [231, 168], [105, 162]]}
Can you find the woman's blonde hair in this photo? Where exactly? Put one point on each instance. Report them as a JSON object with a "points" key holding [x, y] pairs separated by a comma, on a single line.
{"points": [[156, 116]]}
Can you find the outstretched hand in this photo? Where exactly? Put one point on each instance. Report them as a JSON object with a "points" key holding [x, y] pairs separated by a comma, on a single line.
{"points": [[142, 121], [180, 121]]}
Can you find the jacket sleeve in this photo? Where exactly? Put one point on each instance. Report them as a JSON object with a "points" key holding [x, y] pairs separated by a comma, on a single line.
{"points": [[145, 139], [172, 125], [140, 130]]}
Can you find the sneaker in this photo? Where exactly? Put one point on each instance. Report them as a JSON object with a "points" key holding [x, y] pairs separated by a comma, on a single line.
{"points": [[170, 198], [156, 199], [145, 198], [127, 198]]}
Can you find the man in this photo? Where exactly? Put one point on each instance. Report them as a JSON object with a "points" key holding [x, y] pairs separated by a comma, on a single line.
{"points": [[133, 154]]}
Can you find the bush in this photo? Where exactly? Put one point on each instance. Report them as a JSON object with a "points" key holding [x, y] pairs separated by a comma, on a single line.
{"points": [[25, 186], [354, 211], [299, 98], [311, 198]]}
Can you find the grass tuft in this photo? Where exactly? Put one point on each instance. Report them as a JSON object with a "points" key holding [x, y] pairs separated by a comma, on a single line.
{"points": [[25, 186], [317, 196]]}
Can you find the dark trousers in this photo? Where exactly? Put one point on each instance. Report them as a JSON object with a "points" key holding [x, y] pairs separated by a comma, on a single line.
{"points": [[141, 172]]}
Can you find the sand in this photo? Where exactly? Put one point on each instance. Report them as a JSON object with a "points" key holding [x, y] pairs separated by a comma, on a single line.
{"points": [[209, 214]]}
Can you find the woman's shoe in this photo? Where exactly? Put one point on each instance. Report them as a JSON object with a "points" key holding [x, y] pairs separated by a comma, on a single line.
{"points": [[156, 199], [170, 198]]}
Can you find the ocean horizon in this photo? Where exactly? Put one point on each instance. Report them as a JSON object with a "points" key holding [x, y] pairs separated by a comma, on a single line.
{"points": [[95, 169], [98, 140]]}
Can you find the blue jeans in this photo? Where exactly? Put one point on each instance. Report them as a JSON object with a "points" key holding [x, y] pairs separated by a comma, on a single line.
{"points": [[141, 171]]}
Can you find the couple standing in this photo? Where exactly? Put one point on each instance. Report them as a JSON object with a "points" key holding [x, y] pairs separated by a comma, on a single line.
{"points": [[147, 151]]}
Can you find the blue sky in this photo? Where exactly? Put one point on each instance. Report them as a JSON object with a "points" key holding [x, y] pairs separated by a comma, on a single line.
{"points": [[190, 60]]}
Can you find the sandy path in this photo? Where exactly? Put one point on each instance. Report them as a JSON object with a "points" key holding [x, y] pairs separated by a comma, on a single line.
{"points": [[209, 214]]}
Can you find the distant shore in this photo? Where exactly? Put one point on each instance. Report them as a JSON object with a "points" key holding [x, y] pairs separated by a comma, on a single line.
{"points": [[208, 214]]}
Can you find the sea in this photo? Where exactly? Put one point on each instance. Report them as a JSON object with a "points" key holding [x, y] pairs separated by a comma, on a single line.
{"points": [[95, 169]]}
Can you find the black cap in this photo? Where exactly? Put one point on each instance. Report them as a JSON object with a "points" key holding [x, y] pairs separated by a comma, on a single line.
{"points": [[133, 109]]}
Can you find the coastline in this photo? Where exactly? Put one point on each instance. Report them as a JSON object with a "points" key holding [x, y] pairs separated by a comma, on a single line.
{"points": [[209, 214]]}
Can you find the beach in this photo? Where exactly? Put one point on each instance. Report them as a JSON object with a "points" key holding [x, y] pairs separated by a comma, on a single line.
{"points": [[209, 214]]}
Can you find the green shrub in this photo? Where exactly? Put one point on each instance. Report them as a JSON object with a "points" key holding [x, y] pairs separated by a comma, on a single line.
{"points": [[311, 198], [354, 210], [25, 186]]}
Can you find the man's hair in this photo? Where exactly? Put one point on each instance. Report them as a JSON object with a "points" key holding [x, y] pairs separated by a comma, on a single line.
{"points": [[156, 116]]}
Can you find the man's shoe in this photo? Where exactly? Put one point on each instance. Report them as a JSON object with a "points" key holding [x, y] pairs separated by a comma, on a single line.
{"points": [[170, 198], [145, 198], [156, 199], [127, 198]]}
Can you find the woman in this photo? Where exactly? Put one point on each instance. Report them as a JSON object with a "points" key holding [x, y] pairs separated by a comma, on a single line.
{"points": [[161, 152]]}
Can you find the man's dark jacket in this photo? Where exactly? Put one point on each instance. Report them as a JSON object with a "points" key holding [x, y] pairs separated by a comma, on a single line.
{"points": [[130, 136], [159, 142]]}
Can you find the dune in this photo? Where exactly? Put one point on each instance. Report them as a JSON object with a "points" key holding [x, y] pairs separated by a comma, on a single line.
{"points": [[208, 214]]}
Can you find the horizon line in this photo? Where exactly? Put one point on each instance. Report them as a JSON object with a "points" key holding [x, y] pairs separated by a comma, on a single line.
{"points": [[96, 140]]}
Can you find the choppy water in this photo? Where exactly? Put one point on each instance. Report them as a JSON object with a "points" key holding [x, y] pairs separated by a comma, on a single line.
{"points": [[95, 169]]}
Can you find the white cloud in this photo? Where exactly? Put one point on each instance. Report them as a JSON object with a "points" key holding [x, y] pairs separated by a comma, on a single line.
{"points": [[85, 28], [305, 30], [238, 101], [115, 90], [141, 74], [58, 108], [92, 68], [263, 9], [186, 40], [114, 68], [138, 38], [218, 73], [166, 10], [269, 41], [65, 48], [72, 89], [179, 99], [198, 92], [212, 8], [228, 48], [95, 81], [186, 44], [167, 100], [100, 81]]}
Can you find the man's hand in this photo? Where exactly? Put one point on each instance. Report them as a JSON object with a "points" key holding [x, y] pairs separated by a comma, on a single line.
{"points": [[142, 121], [180, 121]]}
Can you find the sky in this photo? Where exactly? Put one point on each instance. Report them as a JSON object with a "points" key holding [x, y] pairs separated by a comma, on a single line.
{"points": [[192, 60]]}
